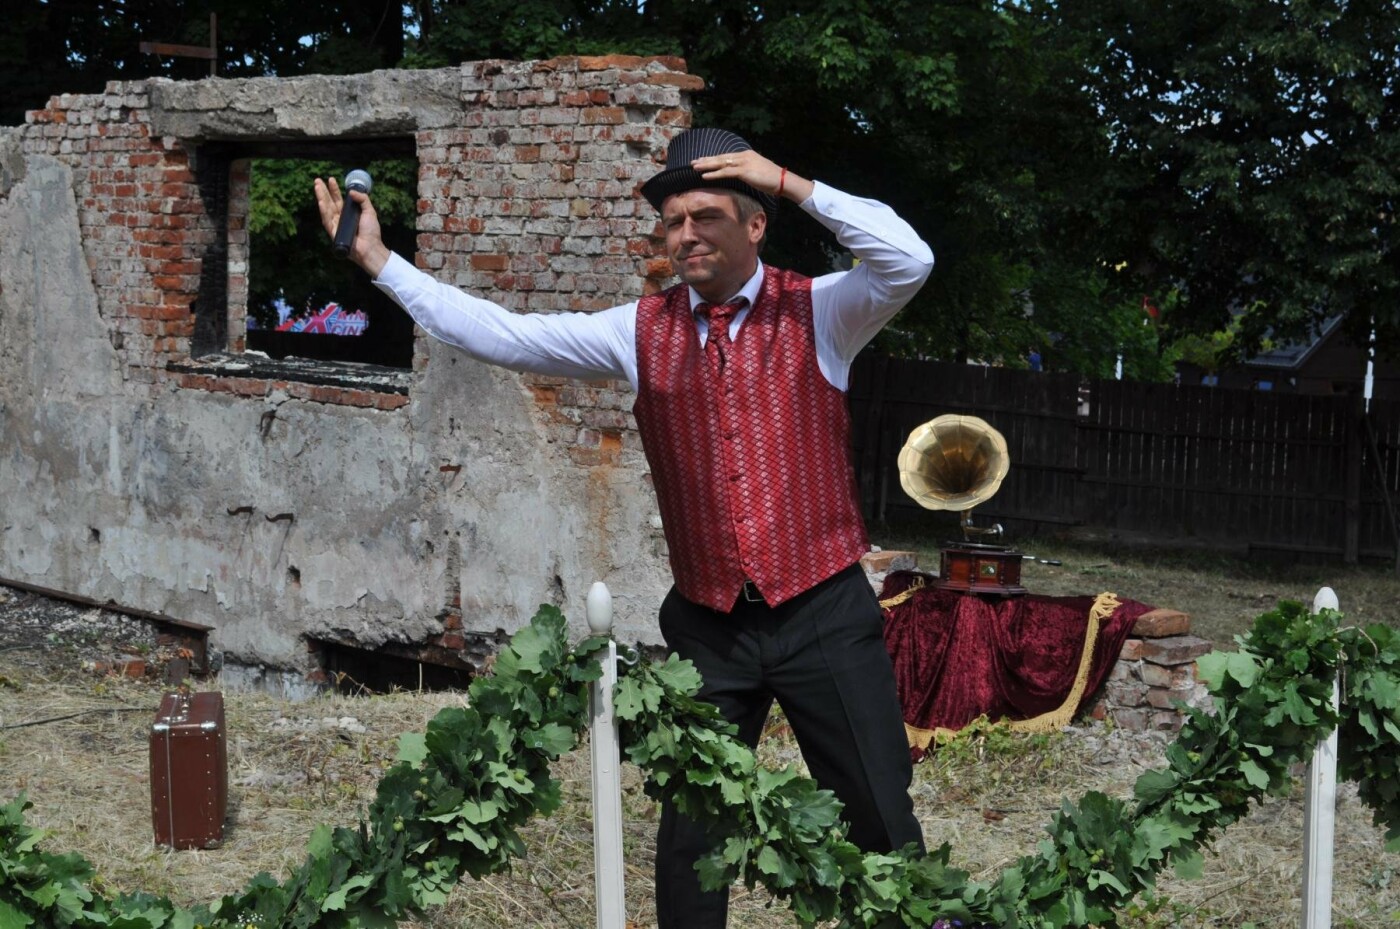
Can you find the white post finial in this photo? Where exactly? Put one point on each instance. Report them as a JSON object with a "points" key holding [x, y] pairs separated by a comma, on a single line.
{"points": [[607, 774], [1320, 811], [600, 617], [1326, 599]]}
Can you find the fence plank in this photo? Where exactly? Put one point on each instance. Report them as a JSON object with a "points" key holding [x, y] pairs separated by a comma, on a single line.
{"points": [[1248, 468]]}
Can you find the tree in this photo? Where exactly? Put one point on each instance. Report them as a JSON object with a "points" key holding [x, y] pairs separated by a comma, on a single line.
{"points": [[289, 260], [76, 46], [1254, 151], [1066, 159], [947, 111]]}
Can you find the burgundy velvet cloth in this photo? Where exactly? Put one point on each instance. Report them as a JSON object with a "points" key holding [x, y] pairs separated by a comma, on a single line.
{"points": [[958, 656]]}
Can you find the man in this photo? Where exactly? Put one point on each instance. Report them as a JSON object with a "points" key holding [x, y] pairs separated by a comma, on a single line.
{"points": [[740, 373]]}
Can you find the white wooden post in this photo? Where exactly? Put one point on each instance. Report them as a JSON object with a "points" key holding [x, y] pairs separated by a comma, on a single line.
{"points": [[607, 770], [1320, 812]]}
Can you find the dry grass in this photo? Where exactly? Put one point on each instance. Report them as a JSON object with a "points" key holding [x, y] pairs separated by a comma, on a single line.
{"points": [[293, 765]]}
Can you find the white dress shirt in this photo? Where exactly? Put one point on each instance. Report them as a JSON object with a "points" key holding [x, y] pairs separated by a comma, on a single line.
{"points": [[848, 307]]}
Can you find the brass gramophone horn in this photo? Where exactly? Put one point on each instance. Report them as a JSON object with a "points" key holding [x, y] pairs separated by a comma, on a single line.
{"points": [[953, 462]]}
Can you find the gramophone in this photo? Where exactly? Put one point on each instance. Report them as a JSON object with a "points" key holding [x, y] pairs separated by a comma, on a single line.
{"points": [[955, 463]]}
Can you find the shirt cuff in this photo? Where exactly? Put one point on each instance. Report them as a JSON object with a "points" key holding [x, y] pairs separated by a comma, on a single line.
{"points": [[394, 271]]}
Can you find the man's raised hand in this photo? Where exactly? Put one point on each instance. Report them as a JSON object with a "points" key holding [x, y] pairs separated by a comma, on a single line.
{"points": [[367, 250]]}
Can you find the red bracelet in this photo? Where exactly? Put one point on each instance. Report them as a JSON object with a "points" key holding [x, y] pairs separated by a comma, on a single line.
{"points": [[782, 180]]}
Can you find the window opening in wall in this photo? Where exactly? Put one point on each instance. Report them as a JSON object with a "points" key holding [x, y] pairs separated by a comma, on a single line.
{"points": [[299, 300], [355, 671]]}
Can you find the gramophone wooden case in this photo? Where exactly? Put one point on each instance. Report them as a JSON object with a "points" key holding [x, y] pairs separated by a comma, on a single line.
{"points": [[981, 569]]}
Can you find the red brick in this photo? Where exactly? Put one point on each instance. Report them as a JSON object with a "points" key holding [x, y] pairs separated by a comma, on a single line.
{"points": [[1174, 650], [244, 387], [490, 262], [453, 640], [1167, 720], [1125, 693], [603, 62], [1132, 650], [1161, 623], [1155, 675], [1162, 698], [602, 116], [671, 79], [876, 562], [1136, 720], [390, 401]]}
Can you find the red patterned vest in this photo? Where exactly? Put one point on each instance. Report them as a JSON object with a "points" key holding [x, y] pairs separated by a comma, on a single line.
{"points": [[752, 468]]}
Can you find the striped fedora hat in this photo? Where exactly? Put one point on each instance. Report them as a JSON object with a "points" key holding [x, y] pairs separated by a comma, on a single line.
{"points": [[679, 176]]}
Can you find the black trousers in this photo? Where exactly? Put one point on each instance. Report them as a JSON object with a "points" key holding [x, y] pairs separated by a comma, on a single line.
{"points": [[822, 657]]}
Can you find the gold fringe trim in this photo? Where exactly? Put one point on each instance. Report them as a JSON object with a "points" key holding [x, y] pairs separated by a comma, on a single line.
{"points": [[1104, 606], [923, 738], [904, 597], [1058, 718]]}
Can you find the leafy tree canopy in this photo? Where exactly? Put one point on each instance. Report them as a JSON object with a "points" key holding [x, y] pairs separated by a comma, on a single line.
{"points": [[1231, 163], [1252, 156]]}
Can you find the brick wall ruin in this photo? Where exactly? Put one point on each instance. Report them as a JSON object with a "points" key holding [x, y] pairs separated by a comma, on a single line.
{"points": [[149, 462]]}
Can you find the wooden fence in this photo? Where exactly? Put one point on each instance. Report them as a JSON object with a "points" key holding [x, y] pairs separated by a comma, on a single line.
{"points": [[1285, 472]]}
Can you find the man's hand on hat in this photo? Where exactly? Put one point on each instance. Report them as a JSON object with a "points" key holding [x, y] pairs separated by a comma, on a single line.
{"points": [[756, 171]]}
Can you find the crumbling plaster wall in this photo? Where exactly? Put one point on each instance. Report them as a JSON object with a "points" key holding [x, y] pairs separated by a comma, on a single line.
{"points": [[272, 506]]}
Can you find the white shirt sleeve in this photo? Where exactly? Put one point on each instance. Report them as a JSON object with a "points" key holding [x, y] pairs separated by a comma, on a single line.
{"points": [[582, 345], [850, 307]]}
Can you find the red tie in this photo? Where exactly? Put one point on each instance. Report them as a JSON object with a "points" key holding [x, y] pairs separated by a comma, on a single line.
{"points": [[719, 316]]}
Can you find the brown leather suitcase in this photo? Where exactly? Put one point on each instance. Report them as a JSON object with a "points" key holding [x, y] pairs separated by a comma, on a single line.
{"points": [[189, 771]]}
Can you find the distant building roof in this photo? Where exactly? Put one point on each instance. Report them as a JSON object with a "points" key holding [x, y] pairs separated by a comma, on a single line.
{"points": [[1290, 356]]}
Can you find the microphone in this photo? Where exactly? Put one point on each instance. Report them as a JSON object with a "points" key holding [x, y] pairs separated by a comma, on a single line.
{"points": [[350, 212]]}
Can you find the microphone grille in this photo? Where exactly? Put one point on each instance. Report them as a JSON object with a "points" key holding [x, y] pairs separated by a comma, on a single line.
{"points": [[358, 179]]}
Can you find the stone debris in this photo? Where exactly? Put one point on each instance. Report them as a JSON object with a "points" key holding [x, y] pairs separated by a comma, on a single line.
{"points": [[57, 635], [306, 724], [1115, 745]]}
